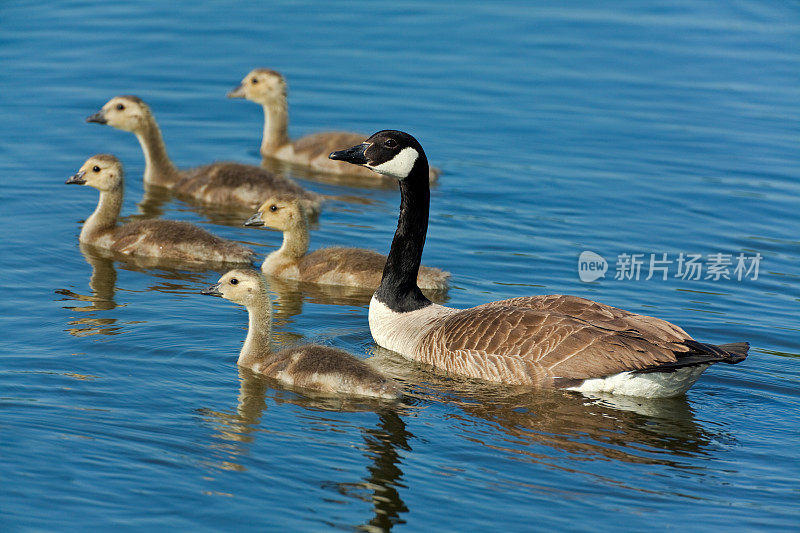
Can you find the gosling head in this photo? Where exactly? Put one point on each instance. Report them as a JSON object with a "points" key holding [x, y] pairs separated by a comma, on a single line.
{"points": [[261, 85], [101, 171], [127, 113], [244, 287], [390, 152], [278, 212]]}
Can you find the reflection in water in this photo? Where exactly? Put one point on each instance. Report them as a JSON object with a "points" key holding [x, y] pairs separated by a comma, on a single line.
{"points": [[103, 286], [379, 182], [623, 429], [289, 295], [383, 476], [156, 265], [155, 198], [519, 423], [239, 426], [634, 430], [102, 283], [153, 201]]}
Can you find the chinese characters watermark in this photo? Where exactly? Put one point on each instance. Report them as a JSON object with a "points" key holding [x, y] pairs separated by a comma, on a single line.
{"points": [[663, 266]]}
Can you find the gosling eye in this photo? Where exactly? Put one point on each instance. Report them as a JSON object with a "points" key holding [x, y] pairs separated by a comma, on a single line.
{"points": [[253, 80], [120, 107], [273, 208], [390, 143], [234, 281], [96, 168]]}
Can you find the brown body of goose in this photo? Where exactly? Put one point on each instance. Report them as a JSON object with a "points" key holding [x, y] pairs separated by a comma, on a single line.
{"points": [[268, 88], [168, 239], [337, 265], [221, 183], [319, 368], [561, 340]]}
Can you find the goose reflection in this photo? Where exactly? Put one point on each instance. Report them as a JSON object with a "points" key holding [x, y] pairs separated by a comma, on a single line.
{"points": [[559, 429], [634, 430], [382, 443], [384, 473]]}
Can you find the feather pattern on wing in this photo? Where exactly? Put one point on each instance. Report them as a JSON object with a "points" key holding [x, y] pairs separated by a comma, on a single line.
{"points": [[522, 339]]}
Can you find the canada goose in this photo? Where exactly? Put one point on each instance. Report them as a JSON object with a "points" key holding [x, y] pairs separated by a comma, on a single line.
{"points": [[153, 238], [223, 183], [268, 88], [331, 266], [320, 368], [577, 343]]}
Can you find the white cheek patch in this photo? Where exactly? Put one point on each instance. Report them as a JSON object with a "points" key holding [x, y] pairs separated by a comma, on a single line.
{"points": [[399, 166]]}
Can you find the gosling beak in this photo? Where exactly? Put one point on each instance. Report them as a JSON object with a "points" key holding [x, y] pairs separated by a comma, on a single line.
{"points": [[353, 155], [77, 179], [212, 290], [237, 92], [254, 220], [99, 117]]}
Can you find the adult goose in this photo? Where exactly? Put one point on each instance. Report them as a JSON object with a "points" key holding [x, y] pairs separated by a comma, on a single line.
{"points": [[161, 239], [567, 341], [221, 183], [319, 368], [268, 88], [337, 265]]}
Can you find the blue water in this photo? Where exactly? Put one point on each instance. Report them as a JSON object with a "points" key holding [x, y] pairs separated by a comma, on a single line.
{"points": [[618, 127]]}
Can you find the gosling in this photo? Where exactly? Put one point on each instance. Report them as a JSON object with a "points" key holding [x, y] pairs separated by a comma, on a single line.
{"points": [[166, 239], [354, 267], [268, 88], [319, 368], [222, 183]]}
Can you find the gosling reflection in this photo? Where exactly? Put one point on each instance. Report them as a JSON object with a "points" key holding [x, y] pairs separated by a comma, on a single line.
{"points": [[377, 182], [239, 426], [155, 200], [235, 430], [290, 294], [103, 287], [102, 284]]}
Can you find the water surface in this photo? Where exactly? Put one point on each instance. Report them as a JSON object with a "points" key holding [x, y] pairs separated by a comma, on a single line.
{"points": [[621, 128]]}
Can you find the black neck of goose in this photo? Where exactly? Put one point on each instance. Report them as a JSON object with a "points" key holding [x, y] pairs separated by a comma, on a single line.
{"points": [[398, 289]]}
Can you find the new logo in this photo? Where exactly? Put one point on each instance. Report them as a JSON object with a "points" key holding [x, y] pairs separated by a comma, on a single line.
{"points": [[591, 266]]}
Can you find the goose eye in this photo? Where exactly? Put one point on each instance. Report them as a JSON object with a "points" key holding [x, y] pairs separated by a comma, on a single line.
{"points": [[253, 80], [390, 143], [234, 281], [96, 168], [273, 208], [120, 107]]}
